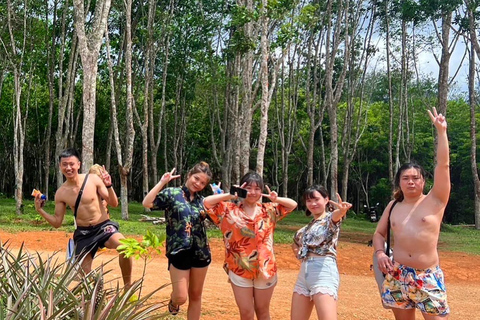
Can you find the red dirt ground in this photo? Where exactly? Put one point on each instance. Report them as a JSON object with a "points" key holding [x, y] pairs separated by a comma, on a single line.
{"points": [[358, 296]]}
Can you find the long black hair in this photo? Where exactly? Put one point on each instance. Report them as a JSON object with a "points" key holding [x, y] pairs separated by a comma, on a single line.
{"points": [[398, 193], [309, 194]]}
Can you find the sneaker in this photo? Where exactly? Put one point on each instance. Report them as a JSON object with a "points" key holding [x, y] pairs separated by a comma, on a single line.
{"points": [[173, 309]]}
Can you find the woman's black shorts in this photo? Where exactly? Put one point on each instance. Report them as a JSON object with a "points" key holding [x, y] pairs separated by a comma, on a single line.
{"points": [[187, 259]]}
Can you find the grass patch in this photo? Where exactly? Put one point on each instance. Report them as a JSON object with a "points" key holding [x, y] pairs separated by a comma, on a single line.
{"points": [[459, 238], [356, 228]]}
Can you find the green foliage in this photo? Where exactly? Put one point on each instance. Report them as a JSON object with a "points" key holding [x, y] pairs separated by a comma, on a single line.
{"points": [[133, 248], [308, 16], [435, 8], [200, 47]]}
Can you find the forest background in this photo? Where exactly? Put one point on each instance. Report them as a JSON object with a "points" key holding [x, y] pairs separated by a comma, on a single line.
{"points": [[303, 92]]}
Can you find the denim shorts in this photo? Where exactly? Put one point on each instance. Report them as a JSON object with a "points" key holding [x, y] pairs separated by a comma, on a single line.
{"points": [[318, 275]]}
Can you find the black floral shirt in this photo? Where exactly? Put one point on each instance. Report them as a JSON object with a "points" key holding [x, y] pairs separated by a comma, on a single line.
{"points": [[184, 218]]}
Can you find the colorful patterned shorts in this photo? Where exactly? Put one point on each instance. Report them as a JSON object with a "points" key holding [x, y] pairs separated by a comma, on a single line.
{"points": [[408, 288]]}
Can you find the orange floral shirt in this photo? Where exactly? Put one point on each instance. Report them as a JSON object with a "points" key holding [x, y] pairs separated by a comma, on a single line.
{"points": [[248, 242]]}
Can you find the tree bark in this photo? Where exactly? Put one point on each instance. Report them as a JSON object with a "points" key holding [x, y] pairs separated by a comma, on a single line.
{"points": [[89, 47], [265, 101], [333, 92], [155, 141], [16, 59], [443, 73], [391, 168], [472, 94], [51, 91], [356, 116], [126, 167]]}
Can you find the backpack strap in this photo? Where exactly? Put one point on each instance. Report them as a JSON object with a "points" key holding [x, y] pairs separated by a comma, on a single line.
{"points": [[80, 193], [387, 251]]}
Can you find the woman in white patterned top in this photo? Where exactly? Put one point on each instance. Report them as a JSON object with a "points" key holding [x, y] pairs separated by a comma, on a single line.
{"points": [[316, 246]]}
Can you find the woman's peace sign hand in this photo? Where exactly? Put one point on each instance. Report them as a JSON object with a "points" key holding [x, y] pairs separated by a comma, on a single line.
{"points": [[272, 195], [341, 208], [169, 176]]}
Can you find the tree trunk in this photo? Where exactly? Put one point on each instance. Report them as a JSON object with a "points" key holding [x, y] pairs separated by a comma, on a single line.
{"points": [[443, 72], [265, 102], [124, 156], [89, 47], [249, 94], [333, 92], [126, 167], [18, 143], [315, 112], [473, 131], [65, 108], [155, 142], [15, 58], [286, 117], [356, 117], [51, 49], [90, 67], [472, 94], [390, 95]]}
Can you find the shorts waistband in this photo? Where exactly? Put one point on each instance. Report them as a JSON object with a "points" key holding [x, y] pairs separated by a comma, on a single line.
{"points": [[311, 258], [93, 226], [430, 269]]}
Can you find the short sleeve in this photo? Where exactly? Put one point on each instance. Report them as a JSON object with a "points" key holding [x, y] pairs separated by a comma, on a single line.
{"points": [[334, 226], [217, 212], [163, 199], [276, 211]]}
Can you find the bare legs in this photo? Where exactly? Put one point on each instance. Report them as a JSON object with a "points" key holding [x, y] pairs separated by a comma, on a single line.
{"points": [[188, 284], [301, 308], [252, 301], [325, 306], [126, 265]]}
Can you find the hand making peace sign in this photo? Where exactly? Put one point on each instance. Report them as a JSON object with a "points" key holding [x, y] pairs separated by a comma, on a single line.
{"points": [[169, 176], [341, 208], [438, 119], [106, 178], [272, 195]]}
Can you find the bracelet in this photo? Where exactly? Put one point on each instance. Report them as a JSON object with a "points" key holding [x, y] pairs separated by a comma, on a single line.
{"points": [[108, 187], [379, 250]]}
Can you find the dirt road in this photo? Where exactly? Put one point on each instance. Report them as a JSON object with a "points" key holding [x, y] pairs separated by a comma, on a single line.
{"points": [[358, 296]]}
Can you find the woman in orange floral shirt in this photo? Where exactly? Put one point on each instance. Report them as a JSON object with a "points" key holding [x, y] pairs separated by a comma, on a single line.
{"points": [[248, 229]]}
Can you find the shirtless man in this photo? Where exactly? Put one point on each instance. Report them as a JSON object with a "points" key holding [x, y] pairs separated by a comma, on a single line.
{"points": [[414, 279], [93, 228]]}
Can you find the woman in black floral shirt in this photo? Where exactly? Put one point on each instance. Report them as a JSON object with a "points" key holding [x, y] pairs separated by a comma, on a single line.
{"points": [[188, 252]]}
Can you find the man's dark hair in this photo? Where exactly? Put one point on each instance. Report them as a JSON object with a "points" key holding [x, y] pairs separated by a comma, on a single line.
{"points": [[70, 152], [398, 193]]}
